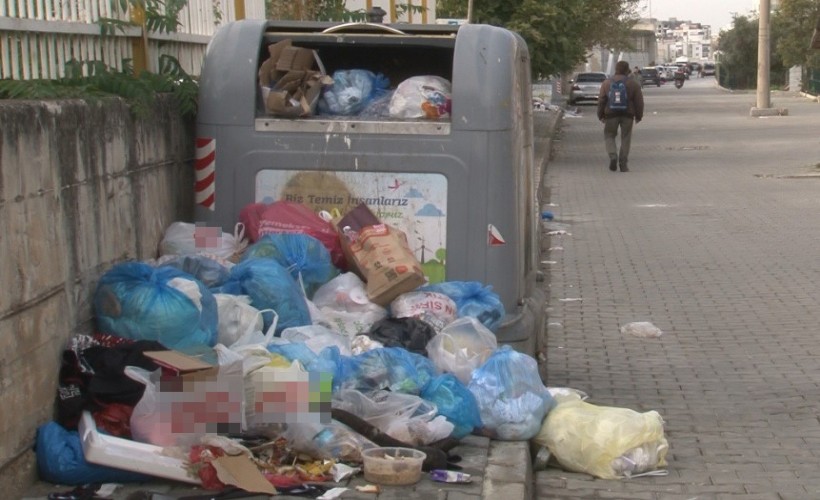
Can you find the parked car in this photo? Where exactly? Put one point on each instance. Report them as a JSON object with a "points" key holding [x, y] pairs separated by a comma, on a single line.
{"points": [[586, 86], [708, 69], [650, 76]]}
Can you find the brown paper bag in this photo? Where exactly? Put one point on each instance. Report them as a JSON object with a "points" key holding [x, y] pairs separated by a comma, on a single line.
{"points": [[380, 255]]}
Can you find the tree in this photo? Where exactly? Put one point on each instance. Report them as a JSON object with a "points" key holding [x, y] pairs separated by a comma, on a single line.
{"points": [[559, 33], [323, 10], [738, 64], [794, 23]]}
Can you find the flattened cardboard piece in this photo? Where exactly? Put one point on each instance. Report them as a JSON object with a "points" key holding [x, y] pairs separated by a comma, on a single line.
{"points": [[177, 362], [267, 71], [240, 471], [295, 59]]}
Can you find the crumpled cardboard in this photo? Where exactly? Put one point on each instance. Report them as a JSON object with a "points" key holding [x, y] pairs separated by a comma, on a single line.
{"points": [[242, 472], [289, 81]]}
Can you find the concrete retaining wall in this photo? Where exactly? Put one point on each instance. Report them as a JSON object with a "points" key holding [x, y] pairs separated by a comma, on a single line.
{"points": [[82, 186]]}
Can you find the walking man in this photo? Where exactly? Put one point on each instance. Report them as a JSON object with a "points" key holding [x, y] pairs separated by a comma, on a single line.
{"points": [[620, 105]]}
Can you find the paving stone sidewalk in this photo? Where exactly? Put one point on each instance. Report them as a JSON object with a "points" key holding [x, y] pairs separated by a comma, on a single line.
{"points": [[713, 237]]}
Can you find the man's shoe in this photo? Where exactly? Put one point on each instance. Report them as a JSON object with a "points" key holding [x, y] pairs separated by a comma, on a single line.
{"points": [[624, 168], [613, 164]]}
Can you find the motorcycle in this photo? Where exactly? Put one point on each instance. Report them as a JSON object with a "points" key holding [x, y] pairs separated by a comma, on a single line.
{"points": [[679, 77]]}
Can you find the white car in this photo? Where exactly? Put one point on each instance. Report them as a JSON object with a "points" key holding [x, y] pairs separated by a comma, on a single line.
{"points": [[586, 86]]}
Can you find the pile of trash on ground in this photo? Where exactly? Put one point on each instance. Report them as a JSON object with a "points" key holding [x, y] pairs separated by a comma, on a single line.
{"points": [[273, 359]]}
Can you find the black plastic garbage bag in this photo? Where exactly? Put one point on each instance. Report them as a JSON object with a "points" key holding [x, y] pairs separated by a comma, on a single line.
{"points": [[410, 333]]}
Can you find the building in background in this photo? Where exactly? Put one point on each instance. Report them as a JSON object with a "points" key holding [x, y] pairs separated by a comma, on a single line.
{"points": [[678, 39]]}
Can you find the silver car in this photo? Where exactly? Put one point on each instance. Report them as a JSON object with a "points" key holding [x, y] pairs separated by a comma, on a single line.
{"points": [[586, 86]]}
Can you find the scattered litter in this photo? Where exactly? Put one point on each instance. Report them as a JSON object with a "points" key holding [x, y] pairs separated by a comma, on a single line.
{"points": [[369, 488], [559, 233], [342, 471], [641, 329], [562, 393], [549, 262], [573, 299], [553, 249], [332, 493], [107, 490], [449, 476], [559, 325]]}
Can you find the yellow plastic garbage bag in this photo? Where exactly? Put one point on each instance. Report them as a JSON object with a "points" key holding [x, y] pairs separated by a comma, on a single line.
{"points": [[606, 442]]}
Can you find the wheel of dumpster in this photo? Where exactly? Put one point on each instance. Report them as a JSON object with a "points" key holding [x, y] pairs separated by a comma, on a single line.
{"points": [[346, 26]]}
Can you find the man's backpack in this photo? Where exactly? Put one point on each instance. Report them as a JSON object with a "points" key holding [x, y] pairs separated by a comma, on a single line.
{"points": [[617, 99]]}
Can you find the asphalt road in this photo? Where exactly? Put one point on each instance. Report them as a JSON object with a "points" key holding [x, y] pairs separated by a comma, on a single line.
{"points": [[714, 237]]}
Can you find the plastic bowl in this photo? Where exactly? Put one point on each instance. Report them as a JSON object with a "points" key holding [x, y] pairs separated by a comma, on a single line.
{"points": [[392, 466]]}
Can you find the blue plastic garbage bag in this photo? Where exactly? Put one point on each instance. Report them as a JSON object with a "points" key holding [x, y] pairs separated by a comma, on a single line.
{"points": [[207, 270], [304, 256], [455, 401], [512, 400], [137, 301], [352, 90], [270, 286], [473, 299], [393, 368], [60, 460], [326, 361]]}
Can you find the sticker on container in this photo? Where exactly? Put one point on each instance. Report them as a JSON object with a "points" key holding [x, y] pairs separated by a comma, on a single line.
{"points": [[494, 238]]}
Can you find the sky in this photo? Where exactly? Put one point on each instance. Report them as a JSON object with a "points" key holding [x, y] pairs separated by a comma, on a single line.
{"points": [[716, 13]]}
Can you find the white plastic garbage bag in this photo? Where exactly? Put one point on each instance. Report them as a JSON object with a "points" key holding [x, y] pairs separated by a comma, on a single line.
{"points": [[185, 238], [461, 347], [406, 417], [425, 96], [344, 305], [236, 316]]}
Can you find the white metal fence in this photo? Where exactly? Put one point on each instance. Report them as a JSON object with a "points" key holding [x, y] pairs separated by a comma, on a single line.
{"points": [[38, 37]]}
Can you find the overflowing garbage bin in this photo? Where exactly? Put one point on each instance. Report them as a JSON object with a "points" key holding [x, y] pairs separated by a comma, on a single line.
{"points": [[457, 178]]}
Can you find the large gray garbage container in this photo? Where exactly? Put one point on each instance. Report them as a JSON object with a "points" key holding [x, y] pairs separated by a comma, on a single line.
{"points": [[463, 190]]}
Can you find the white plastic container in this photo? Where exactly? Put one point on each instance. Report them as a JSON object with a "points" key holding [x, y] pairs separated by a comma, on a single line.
{"points": [[129, 455], [393, 466]]}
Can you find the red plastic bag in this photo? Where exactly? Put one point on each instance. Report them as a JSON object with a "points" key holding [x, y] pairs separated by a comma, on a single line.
{"points": [[290, 217]]}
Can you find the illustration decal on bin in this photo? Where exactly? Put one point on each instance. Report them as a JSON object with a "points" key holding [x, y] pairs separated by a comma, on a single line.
{"points": [[430, 126], [413, 203]]}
